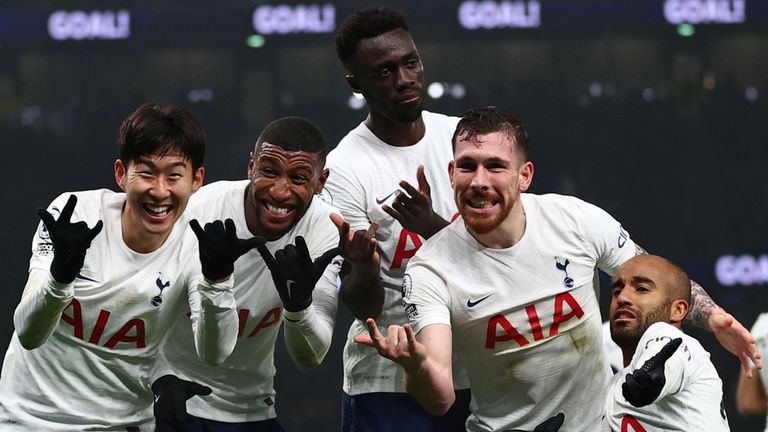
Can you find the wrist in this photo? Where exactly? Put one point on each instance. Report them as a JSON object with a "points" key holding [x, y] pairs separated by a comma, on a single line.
{"points": [[297, 316]]}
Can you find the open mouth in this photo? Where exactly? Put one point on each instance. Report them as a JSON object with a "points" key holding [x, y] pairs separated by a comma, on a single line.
{"points": [[481, 203], [623, 316], [277, 210], [157, 210]]}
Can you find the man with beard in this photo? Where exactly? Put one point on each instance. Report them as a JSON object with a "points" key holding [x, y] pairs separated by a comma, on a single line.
{"points": [[396, 141], [510, 288], [668, 382]]}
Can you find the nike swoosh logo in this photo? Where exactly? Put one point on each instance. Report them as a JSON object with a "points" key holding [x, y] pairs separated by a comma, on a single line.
{"points": [[80, 276], [471, 303], [288, 284], [382, 200]]}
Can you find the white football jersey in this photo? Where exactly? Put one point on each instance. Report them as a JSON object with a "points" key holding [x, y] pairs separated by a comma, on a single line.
{"points": [[365, 173], [242, 386], [691, 399], [94, 370], [525, 320], [760, 333], [613, 354]]}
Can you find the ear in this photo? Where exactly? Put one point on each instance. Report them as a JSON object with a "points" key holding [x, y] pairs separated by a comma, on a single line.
{"points": [[353, 84], [678, 311], [120, 174], [525, 176], [321, 180], [251, 164], [451, 167], [197, 180]]}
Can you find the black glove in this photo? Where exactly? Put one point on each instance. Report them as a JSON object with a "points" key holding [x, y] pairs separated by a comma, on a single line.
{"points": [[220, 247], [171, 395], [294, 273], [644, 385], [70, 241], [552, 424]]}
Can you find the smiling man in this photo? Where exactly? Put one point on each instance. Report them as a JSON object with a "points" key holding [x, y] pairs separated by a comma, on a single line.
{"points": [[276, 202], [109, 274], [668, 383], [509, 287]]}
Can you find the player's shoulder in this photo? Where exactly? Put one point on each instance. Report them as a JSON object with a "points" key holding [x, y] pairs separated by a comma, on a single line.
{"points": [[444, 244], [221, 190], [760, 327], [353, 143], [436, 123], [89, 202]]}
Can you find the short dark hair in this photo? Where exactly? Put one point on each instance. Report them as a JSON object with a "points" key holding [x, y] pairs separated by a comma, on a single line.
{"points": [[294, 134], [681, 283], [161, 129], [365, 24], [482, 121]]}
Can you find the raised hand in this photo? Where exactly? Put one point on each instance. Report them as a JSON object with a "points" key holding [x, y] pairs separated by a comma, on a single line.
{"points": [[414, 210], [400, 344], [170, 406], [294, 273], [70, 241], [220, 247], [552, 424], [358, 247], [735, 338], [644, 385]]}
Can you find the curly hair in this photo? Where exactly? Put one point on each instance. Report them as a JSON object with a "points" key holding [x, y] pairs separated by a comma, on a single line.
{"points": [[364, 24]]}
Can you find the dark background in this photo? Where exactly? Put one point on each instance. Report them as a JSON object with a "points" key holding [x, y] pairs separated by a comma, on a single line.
{"points": [[665, 132]]}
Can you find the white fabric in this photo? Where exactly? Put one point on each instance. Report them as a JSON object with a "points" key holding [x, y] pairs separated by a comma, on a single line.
{"points": [[613, 354], [760, 333], [525, 320], [364, 174], [243, 385], [93, 368], [692, 395]]}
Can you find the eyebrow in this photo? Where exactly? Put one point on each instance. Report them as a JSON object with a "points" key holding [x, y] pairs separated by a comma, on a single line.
{"points": [[151, 164]]}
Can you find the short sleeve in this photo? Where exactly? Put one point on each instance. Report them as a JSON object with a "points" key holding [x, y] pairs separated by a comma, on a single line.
{"points": [[344, 191], [425, 296], [611, 243]]}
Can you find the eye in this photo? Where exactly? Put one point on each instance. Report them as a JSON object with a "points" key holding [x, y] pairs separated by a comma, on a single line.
{"points": [[268, 172], [146, 174], [616, 292], [413, 63], [384, 72], [175, 175], [299, 179], [642, 288], [466, 166]]}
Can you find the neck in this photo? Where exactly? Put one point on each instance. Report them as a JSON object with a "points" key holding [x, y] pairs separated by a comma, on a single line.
{"points": [[508, 233], [397, 134], [627, 354]]}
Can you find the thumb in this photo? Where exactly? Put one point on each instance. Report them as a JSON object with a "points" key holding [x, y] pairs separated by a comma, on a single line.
{"points": [[247, 245], [422, 180], [323, 260], [96, 230]]}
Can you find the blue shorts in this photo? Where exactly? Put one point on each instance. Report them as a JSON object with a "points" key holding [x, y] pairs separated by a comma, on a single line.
{"points": [[205, 425], [396, 412]]}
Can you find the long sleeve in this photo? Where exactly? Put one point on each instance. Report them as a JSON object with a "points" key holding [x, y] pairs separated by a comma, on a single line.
{"points": [[214, 319], [40, 309], [308, 333]]}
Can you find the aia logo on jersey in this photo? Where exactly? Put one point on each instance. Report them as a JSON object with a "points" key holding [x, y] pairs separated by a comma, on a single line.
{"points": [[563, 266], [156, 300]]}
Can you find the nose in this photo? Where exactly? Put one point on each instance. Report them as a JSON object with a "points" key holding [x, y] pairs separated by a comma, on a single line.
{"points": [[406, 77], [160, 188], [280, 190], [480, 179]]}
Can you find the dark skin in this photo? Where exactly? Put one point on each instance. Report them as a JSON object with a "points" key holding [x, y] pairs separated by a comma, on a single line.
{"points": [[283, 184], [387, 71]]}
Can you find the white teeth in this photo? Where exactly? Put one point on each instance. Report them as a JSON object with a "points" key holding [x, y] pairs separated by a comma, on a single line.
{"points": [[157, 210], [277, 210], [480, 203]]}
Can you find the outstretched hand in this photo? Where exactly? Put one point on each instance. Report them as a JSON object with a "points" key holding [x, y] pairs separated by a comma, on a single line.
{"points": [[734, 337], [70, 241], [414, 210], [170, 406], [220, 247], [552, 424], [644, 385], [294, 273], [400, 344]]}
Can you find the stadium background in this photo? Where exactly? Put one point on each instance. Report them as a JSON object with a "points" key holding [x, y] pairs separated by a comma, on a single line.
{"points": [[653, 110]]}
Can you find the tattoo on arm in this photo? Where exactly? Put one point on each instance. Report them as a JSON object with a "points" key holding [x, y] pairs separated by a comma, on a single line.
{"points": [[639, 250], [701, 307]]}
